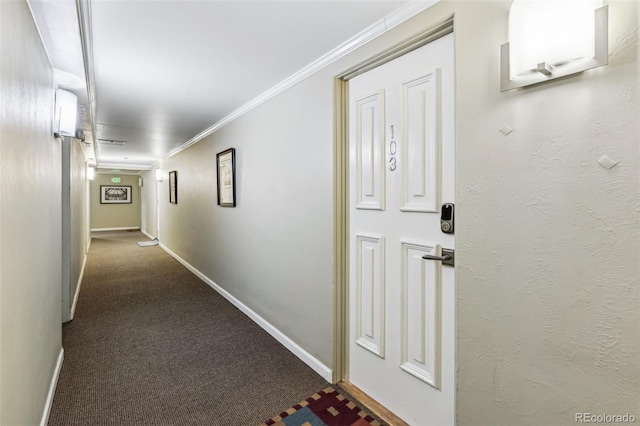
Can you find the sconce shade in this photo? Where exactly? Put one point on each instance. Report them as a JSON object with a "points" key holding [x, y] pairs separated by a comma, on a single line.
{"points": [[91, 173], [553, 38], [159, 175], [551, 31], [65, 113]]}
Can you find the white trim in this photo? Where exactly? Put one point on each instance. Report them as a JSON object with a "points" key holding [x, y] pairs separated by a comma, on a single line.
{"points": [[394, 19], [124, 228], [120, 171], [147, 234], [124, 166], [52, 389], [409, 10], [75, 298], [296, 349], [86, 42]]}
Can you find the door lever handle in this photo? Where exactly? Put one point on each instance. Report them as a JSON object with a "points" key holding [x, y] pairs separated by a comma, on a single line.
{"points": [[430, 257], [447, 258]]}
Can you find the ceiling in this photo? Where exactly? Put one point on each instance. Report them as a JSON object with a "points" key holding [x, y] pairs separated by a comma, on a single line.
{"points": [[165, 71]]}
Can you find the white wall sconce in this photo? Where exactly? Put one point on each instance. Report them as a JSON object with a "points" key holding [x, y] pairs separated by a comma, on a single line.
{"points": [[549, 39], [91, 173], [159, 175], [65, 114], [140, 181]]}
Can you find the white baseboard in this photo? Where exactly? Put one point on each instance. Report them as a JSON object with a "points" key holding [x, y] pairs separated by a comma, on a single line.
{"points": [[52, 389], [75, 297], [147, 234], [124, 228], [296, 349]]}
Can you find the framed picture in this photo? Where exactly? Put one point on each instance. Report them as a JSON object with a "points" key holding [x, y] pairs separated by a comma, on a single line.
{"points": [[226, 168], [115, 194], [173, 187]]}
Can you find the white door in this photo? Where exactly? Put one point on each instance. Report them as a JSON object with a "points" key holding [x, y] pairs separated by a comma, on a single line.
{"points": [[401, 306]]}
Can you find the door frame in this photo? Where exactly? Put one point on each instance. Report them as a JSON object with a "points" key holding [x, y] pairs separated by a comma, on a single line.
{"points": [[341, 187]]}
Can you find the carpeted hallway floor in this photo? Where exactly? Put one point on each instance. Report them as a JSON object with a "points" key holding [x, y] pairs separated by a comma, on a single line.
{"points": [[151, 344]]}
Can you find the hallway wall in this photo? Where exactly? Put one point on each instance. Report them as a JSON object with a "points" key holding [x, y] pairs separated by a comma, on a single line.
{"points": [[274, 250], [30, 221], [78, 221], [110, 216], [547, 240]]}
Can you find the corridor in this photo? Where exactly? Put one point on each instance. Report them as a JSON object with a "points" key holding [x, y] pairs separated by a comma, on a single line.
{"points": [[225, 130]]}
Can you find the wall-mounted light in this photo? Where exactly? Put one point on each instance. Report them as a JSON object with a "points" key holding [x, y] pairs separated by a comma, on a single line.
{"points": [[549, 39], [65, 114], [91, 173], [140, 181], [159, 175]]}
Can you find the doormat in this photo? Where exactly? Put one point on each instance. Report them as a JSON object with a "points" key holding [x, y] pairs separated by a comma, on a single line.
{"points": [[325, 408], [153, 242]]}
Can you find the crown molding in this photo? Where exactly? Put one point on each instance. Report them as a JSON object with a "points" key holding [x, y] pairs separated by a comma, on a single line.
{"points": [[123, 166], [83, 9], [380, 27]]}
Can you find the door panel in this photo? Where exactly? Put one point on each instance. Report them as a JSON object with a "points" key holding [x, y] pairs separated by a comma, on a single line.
{"points": [[401, 168], [421, 283], [370, 152], [421, 144], [370, 294]]}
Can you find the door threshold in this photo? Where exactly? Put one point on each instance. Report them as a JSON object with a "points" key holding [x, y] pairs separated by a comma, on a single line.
{"points": [[378, 410]]}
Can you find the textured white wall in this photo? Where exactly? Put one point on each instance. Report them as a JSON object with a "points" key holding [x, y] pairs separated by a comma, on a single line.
{"points": [[30, 221]]}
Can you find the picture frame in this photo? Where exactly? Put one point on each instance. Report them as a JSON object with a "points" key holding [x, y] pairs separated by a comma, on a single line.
{"points": [[173, 187], [226, 173], [115, 194]]}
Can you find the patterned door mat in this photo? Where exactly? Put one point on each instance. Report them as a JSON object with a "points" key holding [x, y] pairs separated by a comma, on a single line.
{"points": [[325, 408]]}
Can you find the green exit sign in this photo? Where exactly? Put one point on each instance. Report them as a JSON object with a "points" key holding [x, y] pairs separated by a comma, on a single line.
{"points": [[115, 180]]}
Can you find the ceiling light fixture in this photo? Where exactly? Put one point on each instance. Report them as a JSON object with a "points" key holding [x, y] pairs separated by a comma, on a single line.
{"points": [[111, 142], [549, 39]]}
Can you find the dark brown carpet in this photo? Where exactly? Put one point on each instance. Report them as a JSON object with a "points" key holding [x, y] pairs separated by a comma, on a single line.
{"points": [[151, 344]]}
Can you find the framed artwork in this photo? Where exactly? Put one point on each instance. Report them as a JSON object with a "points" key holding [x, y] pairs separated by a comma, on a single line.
{"points": [[226, 168], [115, 194], [173, 187]]}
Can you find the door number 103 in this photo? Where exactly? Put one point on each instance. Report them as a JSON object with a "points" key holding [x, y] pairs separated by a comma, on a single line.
{"points": [[393, 149]]}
